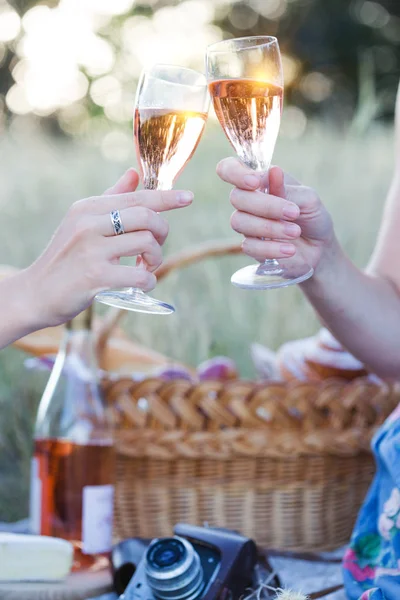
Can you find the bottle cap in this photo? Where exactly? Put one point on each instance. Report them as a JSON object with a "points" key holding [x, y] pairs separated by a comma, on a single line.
{"points": [[81, 321]]}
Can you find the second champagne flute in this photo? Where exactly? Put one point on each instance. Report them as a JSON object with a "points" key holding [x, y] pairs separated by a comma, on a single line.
{"points": [[245, 79], [170, 113]]}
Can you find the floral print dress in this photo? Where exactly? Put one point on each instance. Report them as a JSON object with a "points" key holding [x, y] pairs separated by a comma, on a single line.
{"points": [[371, 564]]}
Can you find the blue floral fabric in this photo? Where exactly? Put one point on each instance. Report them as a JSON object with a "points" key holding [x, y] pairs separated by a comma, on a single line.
{"points": [[371, 564]]}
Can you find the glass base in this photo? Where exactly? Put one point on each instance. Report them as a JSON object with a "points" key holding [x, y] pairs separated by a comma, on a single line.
{"points": [[272, 274], [135, 300]]}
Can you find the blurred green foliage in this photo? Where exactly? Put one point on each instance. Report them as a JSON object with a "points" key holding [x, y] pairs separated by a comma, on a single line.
{"points": [[336, 50], [331, 37]]}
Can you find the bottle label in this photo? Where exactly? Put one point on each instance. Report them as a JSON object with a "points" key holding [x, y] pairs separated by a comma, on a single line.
{"points": [[97, 518], [40, 501], [35, 498]]}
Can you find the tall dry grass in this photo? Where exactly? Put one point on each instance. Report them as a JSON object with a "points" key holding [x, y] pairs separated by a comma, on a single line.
{"points": [[42, 176]]}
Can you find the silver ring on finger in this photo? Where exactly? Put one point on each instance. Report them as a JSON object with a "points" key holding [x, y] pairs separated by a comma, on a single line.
{"points": [[116, 221]]}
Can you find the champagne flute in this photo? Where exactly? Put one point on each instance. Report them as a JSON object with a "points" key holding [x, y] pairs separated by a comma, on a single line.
{"points": [[245, 79], [170, 114]]}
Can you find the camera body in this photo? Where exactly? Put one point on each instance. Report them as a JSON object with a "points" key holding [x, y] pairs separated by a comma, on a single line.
{"points": [[197, 563]]}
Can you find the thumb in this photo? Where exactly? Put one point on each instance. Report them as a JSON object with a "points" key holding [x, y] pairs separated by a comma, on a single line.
{"points": [[127, 183], [277, 182]]}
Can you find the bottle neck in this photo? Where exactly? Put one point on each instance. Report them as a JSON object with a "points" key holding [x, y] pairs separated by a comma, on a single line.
{"points": [[82, 322], [72, 405], [78, 340]]}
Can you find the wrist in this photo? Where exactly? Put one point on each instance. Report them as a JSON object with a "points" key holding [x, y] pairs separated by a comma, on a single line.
{"points": [[18, 317], [329, 268], [27, 310]]}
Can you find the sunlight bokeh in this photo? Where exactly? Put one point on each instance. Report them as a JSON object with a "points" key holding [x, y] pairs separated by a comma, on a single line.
{"points": [[67, 49], [10, 23], [76, 63]]}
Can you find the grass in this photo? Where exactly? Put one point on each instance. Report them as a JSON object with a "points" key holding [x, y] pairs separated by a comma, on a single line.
{"points": [[42, 176]]}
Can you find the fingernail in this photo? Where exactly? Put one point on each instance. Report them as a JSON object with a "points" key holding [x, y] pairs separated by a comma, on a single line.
{"points": [[292, 229], [251, 180], [288, 249], [291, 211], [185, 198]]}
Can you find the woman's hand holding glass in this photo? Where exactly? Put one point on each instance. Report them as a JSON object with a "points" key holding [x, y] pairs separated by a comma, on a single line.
{"points": [[83, 256], [291, 215]]}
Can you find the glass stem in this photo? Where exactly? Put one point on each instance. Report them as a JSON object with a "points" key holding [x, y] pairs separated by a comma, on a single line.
{"points": [[135, 292], [269, 265], [149, 183]]}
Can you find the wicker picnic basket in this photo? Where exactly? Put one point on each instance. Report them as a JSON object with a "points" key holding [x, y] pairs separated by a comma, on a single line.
{"points": [[287, 464]]}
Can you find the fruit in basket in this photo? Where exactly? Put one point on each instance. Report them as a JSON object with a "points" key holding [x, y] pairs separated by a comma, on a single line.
{"points": [[219, 367], [171, 372]]}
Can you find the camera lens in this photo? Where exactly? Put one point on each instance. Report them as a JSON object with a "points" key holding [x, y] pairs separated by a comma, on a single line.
{"points": [[173, 569], [167, 553]]}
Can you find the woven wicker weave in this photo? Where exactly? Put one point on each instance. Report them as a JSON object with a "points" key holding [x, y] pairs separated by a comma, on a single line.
{"points": [[286, 464]]}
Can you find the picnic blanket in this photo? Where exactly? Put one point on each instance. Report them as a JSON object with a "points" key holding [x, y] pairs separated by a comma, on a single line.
{"points": [[298, 575]]}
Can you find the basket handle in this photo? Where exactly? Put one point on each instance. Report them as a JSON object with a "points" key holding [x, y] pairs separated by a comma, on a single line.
{"points": [[179, 260]]}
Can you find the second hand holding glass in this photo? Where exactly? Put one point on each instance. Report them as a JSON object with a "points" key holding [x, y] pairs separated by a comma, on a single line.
{"points": [[246, 84], [171, 111]]}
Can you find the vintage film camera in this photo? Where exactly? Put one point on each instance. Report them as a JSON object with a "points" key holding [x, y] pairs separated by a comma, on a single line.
{"points": [[197, 563]]}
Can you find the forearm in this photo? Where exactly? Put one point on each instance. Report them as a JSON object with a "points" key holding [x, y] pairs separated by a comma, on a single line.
{"points": [[18, 315], [362, 311]]}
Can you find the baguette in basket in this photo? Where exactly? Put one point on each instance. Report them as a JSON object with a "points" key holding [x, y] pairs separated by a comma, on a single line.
{"points": [[116, 352]]}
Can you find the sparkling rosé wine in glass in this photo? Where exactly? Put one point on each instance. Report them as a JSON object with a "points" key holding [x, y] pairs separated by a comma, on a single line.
{"points": [[250, 114], [165, 141]]}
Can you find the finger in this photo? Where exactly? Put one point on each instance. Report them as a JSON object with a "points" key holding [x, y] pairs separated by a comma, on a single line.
{"points": [[276, 182], [233, 171], [121, 276], [263, 249], [249, 225], [133, 244], [264, 205], [135, 219], [290, 180], [156, 200], [127, 183], [304, 197]]}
